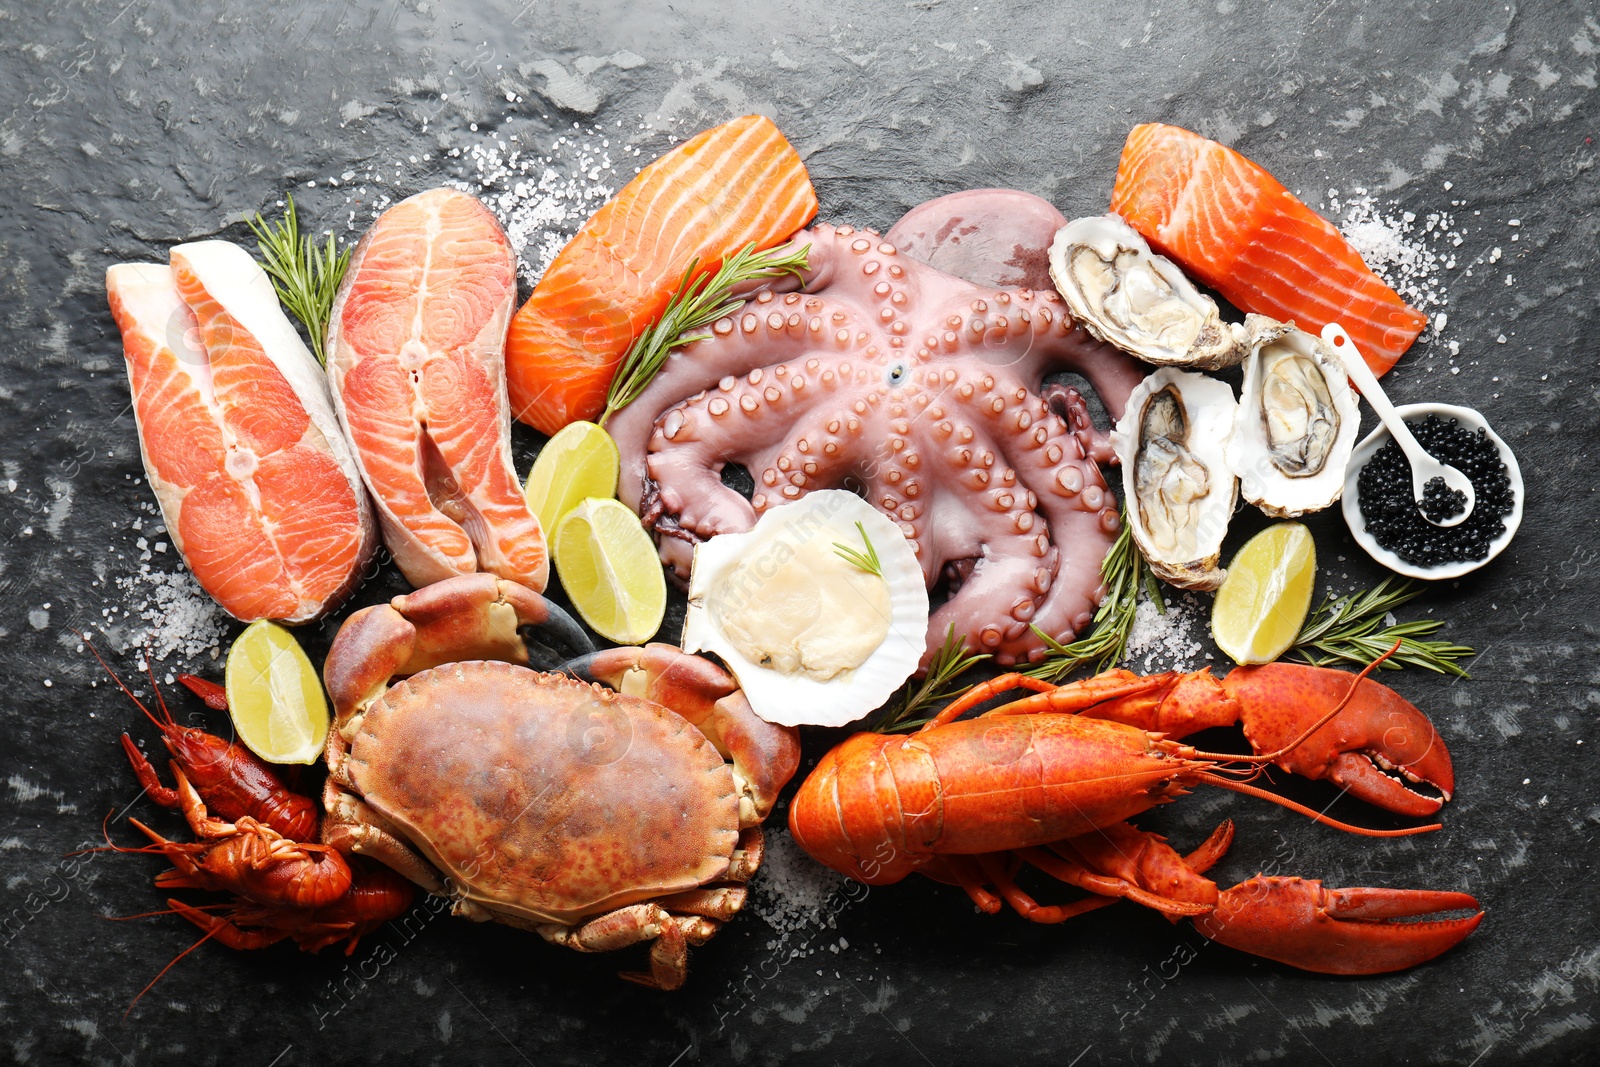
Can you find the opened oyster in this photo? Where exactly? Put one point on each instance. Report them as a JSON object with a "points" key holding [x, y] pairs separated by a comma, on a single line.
{"points": [[1180, 491], [1129, 296], [1296, 423]]}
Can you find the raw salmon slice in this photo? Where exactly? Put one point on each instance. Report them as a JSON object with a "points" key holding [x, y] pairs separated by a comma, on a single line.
{"points": [[256, 483], [1233, 226], [733, 185], [416, 350]]}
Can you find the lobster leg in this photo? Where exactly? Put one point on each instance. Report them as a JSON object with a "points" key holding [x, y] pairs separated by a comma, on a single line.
{"points": [[1337, 931], [162, 795]]}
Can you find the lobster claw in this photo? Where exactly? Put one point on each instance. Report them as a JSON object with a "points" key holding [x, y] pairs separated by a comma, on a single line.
{"points": [[1337, 931], [1373, 748]]}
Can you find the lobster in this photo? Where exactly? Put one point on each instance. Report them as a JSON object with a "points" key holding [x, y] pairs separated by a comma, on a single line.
{"points": [[1048, 780]]}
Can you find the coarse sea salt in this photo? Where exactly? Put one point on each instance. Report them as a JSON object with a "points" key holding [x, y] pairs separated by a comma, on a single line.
{"points": [[793, 891], [1170, 641], [1397, 247], [167, 613]]}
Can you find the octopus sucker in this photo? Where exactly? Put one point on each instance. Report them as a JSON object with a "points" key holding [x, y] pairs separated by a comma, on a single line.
{"points": [[901, 361]]}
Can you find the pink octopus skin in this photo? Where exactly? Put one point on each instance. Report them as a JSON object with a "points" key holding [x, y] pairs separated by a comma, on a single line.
{"points": [[921, 392]]}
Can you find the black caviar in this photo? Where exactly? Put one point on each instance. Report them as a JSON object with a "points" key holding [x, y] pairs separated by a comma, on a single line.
{"points": [[1390, 510]]}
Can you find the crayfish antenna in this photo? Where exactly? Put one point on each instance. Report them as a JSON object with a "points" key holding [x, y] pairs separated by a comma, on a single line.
{"points": [[128, 692], [207, 936]]}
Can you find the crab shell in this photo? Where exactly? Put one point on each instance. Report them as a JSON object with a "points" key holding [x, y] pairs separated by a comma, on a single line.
{"points": [[544, 798]]}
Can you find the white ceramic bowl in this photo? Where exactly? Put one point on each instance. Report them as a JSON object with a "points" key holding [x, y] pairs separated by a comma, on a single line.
{"points": [[1380, 437]]}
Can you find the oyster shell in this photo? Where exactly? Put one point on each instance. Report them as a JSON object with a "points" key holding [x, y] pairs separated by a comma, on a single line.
{"points": [[1129, 296], [1172, 441], [1296, 423]]}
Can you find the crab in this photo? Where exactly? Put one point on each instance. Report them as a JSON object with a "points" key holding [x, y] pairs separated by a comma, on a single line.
{"points": [[618, 803]]}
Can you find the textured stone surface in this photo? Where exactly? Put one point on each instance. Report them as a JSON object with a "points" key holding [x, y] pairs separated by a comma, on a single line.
{"points": [[126, 127]]}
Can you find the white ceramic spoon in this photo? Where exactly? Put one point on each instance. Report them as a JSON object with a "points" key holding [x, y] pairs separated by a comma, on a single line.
{"points": [[1424, 468]]}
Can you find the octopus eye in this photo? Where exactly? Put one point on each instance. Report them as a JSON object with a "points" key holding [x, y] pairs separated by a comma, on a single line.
{"points": [[897, 374]]}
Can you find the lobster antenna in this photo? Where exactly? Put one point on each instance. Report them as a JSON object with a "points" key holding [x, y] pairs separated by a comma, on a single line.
{"points": [[1268, 757], [1313, 815]]}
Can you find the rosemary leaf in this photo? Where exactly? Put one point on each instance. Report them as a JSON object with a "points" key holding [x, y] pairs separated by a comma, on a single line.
{"points": [[1351, 629], [1125, 572], [699, 300], [305, 275], [936, 688], [868, 560]]}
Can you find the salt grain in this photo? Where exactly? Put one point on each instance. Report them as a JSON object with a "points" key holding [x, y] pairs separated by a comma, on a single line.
{"points": [[1165, 642], [177, 616]]}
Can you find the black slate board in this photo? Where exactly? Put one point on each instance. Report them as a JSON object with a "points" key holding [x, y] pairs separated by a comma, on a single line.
{"points": [[128, 126]]}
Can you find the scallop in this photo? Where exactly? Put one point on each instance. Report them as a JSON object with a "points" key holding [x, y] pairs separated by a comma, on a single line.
{"points": [[812, 635], [1127, 295], [1172, 442], [1296, 424]]}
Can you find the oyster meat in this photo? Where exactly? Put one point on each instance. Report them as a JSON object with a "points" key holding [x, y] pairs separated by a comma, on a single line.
{"points": [[1127, 295], [1172, 441], [1296, 422]]}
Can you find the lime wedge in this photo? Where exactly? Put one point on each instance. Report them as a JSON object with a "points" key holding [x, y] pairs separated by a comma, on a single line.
{"points": [[577, 463], [1262, 603], [274, 696], [610, 569]]}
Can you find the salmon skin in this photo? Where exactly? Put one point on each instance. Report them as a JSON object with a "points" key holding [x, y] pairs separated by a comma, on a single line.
{"points": [[725, 188], [416, 346], [1236, 228], [256, 484]]}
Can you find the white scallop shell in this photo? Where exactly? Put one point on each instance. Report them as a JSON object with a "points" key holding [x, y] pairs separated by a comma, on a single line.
{"points": [[794, 699]]}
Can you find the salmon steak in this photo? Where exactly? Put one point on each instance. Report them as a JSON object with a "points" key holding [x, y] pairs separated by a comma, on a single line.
{"points": [[255, 480], [734, 185], [416, 365], [1233, 226]]}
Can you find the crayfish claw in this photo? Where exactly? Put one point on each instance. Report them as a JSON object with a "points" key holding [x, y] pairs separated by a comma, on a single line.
{"points": [[1337, 931]]}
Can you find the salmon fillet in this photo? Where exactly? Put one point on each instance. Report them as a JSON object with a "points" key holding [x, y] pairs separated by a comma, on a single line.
{"points": [[725, 188], [416, 349], [1237, 229], [241, 446]]}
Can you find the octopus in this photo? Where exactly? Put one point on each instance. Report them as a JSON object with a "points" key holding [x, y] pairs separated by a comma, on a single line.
{"points": [[909, 368]]}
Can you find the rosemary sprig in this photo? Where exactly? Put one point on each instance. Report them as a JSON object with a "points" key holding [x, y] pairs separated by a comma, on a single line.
{"points": [[1124, 571], [936, 688], [1350, 630], [305, 276], [868, 560], [696, 304]]}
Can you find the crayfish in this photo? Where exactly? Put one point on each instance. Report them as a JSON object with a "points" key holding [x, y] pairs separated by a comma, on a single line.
{"points": [[259, 847], [1049, 780]]}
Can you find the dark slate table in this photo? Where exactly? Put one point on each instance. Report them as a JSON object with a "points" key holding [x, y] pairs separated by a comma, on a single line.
{"points": [[129, 125]]}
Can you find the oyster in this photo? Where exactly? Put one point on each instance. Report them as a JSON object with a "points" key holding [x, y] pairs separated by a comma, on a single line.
{"points": [[1296, 423], [813, 638], [1129, 296], [1175, 477]]}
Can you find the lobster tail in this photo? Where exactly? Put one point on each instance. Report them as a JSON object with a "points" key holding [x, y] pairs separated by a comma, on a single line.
{"points": [[837, 817]]}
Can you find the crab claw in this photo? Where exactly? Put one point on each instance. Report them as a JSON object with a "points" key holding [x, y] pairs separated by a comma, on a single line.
{"points": [[1337, 931], [1373, 748], [764, 756]]}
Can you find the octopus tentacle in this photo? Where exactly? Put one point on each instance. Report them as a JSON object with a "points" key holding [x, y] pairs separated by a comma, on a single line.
{"points": [[1080, 512], [767, 330]]}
